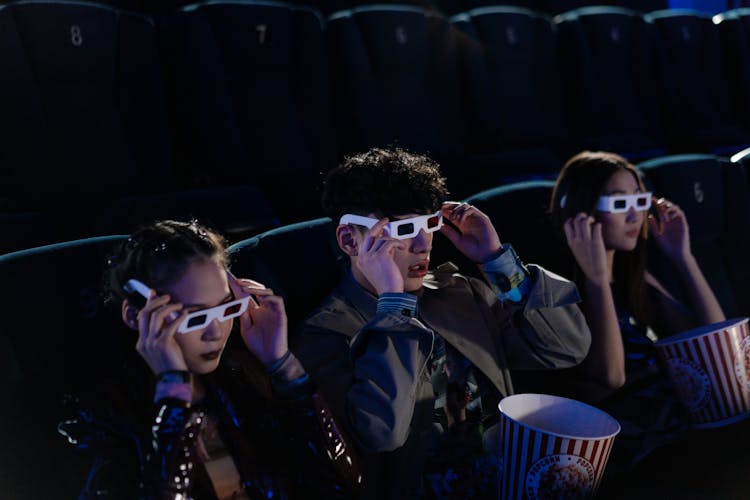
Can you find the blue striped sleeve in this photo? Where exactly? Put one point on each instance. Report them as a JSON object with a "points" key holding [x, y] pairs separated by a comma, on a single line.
{"points": [[508, 276], [398, 303]]}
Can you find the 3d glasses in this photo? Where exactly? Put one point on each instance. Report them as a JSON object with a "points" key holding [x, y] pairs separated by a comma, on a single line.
{"points": [[400, 229], [623, 202], [202, 318], [197, 320]]}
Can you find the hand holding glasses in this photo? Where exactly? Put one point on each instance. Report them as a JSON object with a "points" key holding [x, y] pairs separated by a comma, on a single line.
{"points": [[200, 319]]}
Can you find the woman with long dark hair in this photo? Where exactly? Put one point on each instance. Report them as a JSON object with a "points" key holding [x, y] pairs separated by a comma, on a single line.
{"points": [[601, 208], [600, 203]]}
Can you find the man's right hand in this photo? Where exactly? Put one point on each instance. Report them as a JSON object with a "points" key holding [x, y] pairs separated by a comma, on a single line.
{"points": [[375, 259]]}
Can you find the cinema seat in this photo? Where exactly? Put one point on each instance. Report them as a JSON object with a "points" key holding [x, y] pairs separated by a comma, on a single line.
{"points": [[250, 99], [396, 80], [607, 69], [56, 338], [698, 113], [299, 261], [706, 187], [734, 33], [519, 212], [513, 99], [83, 114], [237, 212]]}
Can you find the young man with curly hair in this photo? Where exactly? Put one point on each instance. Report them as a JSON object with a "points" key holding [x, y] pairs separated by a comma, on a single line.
{"points": [[413, 361]]}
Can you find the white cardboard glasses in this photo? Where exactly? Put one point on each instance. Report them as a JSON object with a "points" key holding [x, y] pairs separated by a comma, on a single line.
{"points": [[197, 320], [400, 229], [623, 202]]}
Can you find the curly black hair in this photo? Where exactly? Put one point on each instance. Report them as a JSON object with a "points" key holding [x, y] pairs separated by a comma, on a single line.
{"points": [[385, 181], [157, 254]]}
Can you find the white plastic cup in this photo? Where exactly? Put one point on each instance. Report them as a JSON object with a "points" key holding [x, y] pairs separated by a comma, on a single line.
{"points": [[710, 369], [553, 447]]}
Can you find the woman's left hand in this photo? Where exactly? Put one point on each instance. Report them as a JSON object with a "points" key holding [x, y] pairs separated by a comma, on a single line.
{"points": [[473, 234], [670, 229], [264, 325]]}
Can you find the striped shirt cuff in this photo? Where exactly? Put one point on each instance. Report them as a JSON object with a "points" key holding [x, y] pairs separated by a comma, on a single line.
{"points": [[508, 275], [404, 304]]}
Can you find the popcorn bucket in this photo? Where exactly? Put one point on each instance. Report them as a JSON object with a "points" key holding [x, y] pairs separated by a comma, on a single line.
{"points": [[553, 447], [710, 370]]}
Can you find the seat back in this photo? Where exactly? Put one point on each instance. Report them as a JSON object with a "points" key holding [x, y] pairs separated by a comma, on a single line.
{"points": [[83, 106], [249, 91], [697, 109], [734, 33], [299, 261], [519, 212], [396, 79], [237, 212], [737, 208], [608, 69], [56, 338], [698, 184], [21, 230], [509, 59]]}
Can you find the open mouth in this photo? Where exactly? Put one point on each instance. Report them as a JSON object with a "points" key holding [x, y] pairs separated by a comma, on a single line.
{"points": [[419, 269]]}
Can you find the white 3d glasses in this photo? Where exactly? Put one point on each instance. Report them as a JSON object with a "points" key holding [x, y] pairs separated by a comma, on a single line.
{"points": [[197, 320], [623, 202], [400, 229]]}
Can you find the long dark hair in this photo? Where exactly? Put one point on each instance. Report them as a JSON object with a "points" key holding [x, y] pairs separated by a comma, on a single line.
{"points": [[580, 184]]}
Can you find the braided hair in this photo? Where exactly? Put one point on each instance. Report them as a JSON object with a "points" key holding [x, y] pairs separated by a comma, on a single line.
{"points": [[158, 254]]}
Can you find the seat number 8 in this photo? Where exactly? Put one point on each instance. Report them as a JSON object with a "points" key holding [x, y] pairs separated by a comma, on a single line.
{"points": [[76, 38]]}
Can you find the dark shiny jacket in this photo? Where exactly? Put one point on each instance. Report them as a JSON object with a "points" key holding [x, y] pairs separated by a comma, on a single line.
{"points": [[282, 438]]}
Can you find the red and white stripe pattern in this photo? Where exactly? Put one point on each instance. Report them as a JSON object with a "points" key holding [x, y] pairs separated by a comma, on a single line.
{"points": [[722, 358], [534, 463]]}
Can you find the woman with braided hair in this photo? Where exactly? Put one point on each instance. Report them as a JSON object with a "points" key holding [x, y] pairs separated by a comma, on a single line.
{"points": [[200, 415]]}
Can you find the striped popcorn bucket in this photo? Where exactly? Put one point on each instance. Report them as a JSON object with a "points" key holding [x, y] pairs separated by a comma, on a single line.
{"points": [[710, 370], [553, 447]]}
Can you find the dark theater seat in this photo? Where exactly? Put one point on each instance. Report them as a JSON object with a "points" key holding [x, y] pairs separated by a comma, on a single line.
{"points": [[19, 230], [734, 33], [608, 81], [698, 113], [237, 212], [82, 106], [250, 98], [396, 80], [299, 261], [706, 187], [56, 338], [519, 211], [514, 105]]}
